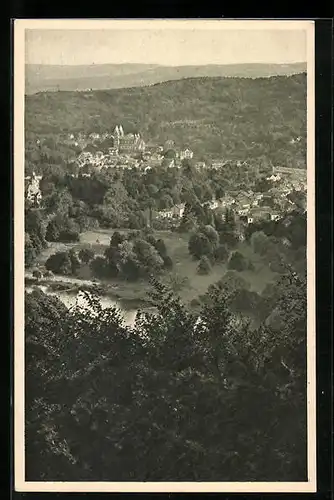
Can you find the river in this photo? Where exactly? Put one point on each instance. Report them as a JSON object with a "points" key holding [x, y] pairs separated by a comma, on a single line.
{"points": [[71, 299]]}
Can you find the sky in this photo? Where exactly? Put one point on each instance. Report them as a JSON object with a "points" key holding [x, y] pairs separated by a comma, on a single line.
{"points": [[171, 47]]}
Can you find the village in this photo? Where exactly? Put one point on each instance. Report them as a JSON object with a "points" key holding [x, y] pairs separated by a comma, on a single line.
{"points": [[127, 151]]}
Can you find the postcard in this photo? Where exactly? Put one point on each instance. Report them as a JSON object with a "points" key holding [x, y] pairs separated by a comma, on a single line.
{"points": [[164, 246]]}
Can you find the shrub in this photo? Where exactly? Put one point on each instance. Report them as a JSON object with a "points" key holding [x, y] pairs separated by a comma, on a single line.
{"points": [[211, 234], [135, 221], [59, 263], [37, 274], [86, 255], [30, 252], [195, 303], [48, 274], [221, 253], [161, 247], [177, 282], [237, 262], [204, 266], [278, 266], [117, 238], [260, 242], [233, 281], [69, 236], [199, 245], [229, 238], [168, 263], [75, 262], [246, 301], [131, 269], [99, 267]]}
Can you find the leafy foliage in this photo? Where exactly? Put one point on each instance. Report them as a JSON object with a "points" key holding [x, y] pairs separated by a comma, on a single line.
{"points": [[221, 253], [204, 265], [86, 255], [200, 245], [188, 387], [137, 255], [35, 231], [65, 263], [237, 262]]}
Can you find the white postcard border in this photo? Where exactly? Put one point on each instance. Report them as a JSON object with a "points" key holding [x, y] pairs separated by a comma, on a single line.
{"points": [[20, 484]]}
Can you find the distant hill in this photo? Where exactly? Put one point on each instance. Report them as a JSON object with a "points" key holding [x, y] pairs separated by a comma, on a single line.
{"points": [[41, 78], [231, 118]]}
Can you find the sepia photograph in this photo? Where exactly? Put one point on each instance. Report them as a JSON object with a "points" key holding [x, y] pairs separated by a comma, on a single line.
{"points": [[164, 227]]}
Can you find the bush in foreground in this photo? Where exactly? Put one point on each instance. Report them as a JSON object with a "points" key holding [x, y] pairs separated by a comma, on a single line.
{"points": [[204, 266], [211, 399]]}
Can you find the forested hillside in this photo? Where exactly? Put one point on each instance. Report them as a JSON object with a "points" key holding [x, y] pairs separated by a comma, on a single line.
{"points": [[231, 118], [47, 77]]}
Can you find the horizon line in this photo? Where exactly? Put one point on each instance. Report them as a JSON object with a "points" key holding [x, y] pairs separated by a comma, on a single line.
{"points": [[167, 65]]}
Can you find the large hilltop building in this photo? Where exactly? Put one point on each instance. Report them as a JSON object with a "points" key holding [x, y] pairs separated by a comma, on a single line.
{"points": [[127, 143]]}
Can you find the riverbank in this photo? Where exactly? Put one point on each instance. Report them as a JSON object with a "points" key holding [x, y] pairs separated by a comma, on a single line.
{"points": [[73, 298], [132, 295]]}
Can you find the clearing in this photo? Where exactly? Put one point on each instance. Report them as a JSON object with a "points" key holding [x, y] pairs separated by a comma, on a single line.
{"points": [[191, 285]]}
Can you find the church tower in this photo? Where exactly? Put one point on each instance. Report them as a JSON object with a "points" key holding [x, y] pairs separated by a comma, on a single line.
{"points": [[116, 136]]}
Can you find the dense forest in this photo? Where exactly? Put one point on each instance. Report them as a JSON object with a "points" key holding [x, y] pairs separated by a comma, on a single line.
{"points": [[230, 118], [176, 397]]}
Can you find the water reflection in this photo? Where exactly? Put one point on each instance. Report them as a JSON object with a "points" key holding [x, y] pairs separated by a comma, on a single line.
{"points": [[71, 300]]}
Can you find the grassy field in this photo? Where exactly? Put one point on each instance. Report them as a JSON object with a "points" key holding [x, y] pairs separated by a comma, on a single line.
{"points": [[184, 265]]}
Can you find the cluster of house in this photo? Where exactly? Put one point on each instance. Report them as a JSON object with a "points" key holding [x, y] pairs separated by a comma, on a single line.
{"points": [[176, 211], [243, 208], [32, 188], [129, 150], [248, 207], [217, 164], [125, 151], [271, 205]]}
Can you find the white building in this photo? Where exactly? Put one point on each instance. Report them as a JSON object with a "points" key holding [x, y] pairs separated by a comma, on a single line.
{"points": [[186, 154], [274, 178], [175, 212], [227, 202], [33, 191], [214, 204], [84, 158], [243, 211]]}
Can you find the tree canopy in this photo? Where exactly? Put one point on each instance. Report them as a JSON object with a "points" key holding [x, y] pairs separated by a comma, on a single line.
{"points": [[213, 399]]}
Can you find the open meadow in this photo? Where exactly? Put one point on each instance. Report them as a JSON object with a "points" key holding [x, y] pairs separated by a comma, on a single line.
{"points": [[183, 277]]}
